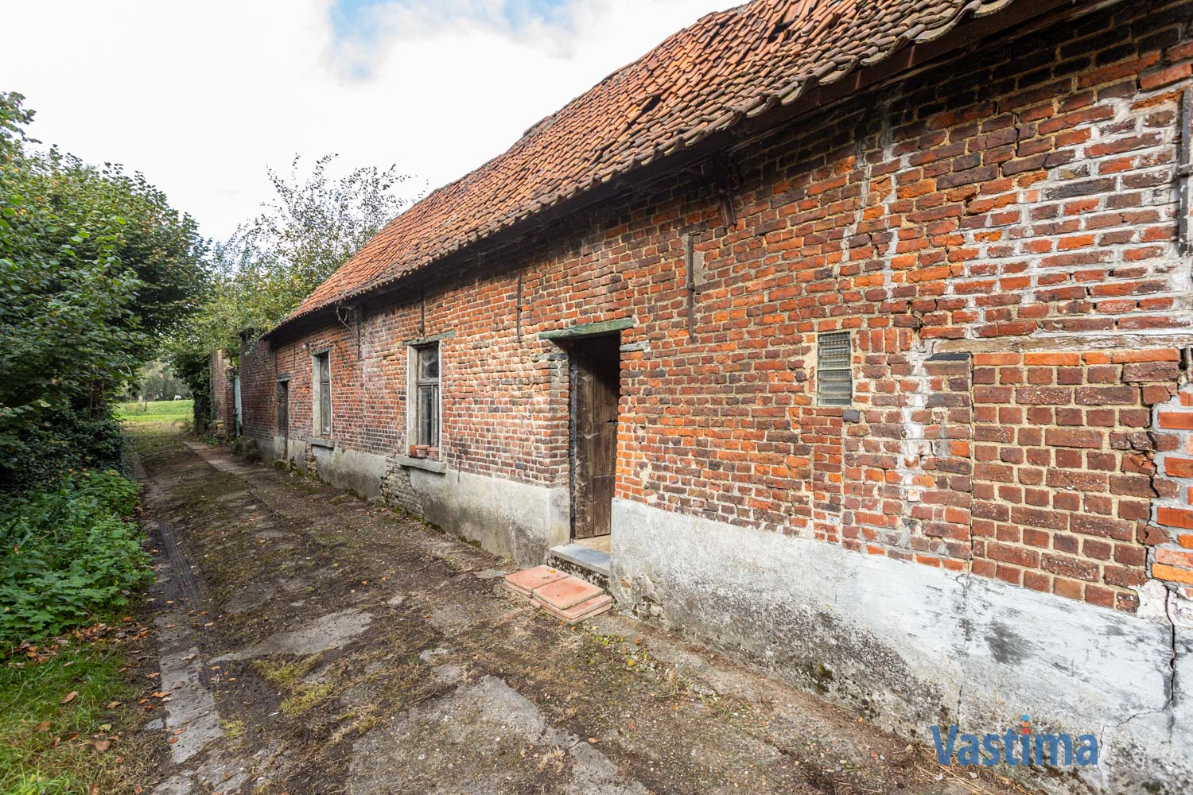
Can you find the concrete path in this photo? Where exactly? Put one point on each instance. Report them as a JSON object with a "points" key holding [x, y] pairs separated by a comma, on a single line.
{"points": [[311, 642]]}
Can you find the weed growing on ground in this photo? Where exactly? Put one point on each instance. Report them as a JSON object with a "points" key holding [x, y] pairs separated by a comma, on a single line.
{"points": [[67, 554], [306, 696], [232, 728], [288, 677], [285, 674]]}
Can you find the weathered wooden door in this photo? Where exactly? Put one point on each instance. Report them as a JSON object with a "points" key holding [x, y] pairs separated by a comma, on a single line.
{"points": [[284, 416], [596, 376]]}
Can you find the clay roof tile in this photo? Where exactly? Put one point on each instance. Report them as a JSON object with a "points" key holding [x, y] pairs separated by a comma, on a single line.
{"points": [[701, 80]]}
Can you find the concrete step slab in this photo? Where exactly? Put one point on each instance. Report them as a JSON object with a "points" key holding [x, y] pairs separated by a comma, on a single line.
{"points": [[594, 560]]}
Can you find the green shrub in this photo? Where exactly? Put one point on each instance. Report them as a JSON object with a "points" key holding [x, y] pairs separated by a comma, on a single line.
{"points": [[62, 440], [68, 554]]}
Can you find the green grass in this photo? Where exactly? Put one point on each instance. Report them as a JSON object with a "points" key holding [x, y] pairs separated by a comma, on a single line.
{"points": [[155, 411], [31, 699]]}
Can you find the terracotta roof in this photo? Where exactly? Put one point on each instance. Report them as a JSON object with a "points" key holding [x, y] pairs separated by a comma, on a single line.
{"points": [[728, 66]]}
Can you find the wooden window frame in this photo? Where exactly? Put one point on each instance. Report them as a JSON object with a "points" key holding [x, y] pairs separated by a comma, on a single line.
{"points": [[420, 430], [323, 410]]}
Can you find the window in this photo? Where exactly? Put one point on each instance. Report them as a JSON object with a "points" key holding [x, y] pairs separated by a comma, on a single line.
{"points": [[834, 373], [426, 395], [322, 419]]}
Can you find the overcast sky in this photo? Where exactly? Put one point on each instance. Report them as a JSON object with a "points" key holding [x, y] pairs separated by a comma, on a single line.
{"points": [[202, 96]]}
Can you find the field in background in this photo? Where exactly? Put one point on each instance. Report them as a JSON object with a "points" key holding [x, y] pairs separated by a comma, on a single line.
{"points": [[155, 411]]}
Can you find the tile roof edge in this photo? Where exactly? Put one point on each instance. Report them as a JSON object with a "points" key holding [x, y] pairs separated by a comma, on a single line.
{"points": [[756, 110]]}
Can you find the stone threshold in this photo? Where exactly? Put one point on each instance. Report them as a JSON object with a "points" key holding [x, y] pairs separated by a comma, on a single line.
{"points": [[594, 560]]}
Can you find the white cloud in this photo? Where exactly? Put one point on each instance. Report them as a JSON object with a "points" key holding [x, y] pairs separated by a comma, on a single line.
{"points": [[202, 97]]}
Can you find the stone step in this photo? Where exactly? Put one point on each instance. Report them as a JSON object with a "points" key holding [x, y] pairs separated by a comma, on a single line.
{"points": [[565, 593], [568, 598], [594, 560], [583, 562], [524, 582], [584, 610]]}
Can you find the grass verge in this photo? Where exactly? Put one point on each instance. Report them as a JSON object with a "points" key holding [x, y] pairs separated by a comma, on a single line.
{"points": [[68, 719], [155, 411]]}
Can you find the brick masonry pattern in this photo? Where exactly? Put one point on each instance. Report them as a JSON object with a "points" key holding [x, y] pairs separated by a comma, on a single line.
{"points": [[992, 235]]}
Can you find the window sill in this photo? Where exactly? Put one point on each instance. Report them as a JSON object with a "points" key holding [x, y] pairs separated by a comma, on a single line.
{"points": [[321, 441], [427, 464]]}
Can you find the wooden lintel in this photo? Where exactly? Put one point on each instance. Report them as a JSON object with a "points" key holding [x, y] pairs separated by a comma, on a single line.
{"points": [[446, 335]]}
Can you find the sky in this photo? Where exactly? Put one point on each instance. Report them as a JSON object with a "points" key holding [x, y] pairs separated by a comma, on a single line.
{"points": [[202, 97]]}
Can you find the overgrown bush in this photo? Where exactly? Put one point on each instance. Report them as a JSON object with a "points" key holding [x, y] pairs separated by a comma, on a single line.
{"points": [[61, 441], [69, 553], [95, 269]]}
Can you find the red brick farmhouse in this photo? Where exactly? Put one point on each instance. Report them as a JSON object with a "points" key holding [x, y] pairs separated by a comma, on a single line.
{"points": [[857, 332]]}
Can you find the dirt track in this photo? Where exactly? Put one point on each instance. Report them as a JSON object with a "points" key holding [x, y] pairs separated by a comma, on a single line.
{"points": [[312, 642]]}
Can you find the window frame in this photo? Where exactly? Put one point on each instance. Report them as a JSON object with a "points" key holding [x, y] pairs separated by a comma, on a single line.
{"points": [[321, 414], [418, 383], [830, 341]]}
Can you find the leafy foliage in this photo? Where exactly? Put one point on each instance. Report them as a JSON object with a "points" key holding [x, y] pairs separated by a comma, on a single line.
{"points": [[265, 270], [67, 553], [157, 381], [64, 440], [94, 266]]}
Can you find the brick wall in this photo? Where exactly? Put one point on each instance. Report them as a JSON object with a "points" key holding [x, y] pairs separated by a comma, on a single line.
{"points": [[999, 238], [258, 391], [1172, 560], [223, 396], [1063, 480]]}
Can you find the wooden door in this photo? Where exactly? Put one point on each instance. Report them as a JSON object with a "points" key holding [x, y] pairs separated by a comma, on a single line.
{"points": [[596, 376], [284, 416]]}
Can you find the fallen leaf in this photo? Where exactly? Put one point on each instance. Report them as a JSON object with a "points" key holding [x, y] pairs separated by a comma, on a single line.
{"points": [[172, 740], [113, 704], [94, 789], [102, 745], [71, 696], [44, 726], [160, 693]]}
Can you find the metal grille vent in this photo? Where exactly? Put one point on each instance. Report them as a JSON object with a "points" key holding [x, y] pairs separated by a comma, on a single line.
{"points": [[834, 374]]}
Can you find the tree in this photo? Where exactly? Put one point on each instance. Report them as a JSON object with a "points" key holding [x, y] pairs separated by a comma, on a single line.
{"points": [[94, 266], [263, 272]]}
